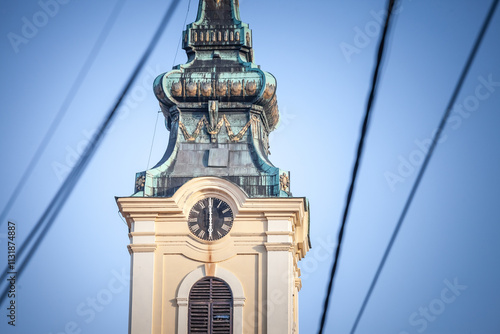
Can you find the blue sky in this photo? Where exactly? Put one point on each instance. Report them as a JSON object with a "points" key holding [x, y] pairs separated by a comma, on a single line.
{"points": [[442, 275]]}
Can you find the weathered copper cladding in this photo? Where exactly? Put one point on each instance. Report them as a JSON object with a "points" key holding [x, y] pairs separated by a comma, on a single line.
{"points": [[220, 108]]}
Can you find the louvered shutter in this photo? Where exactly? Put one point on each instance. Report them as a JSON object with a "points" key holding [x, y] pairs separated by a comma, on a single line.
{"points": [[211, 307]]}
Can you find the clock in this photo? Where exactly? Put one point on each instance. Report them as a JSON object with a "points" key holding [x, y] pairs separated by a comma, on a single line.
{"points": [[210, 219]]}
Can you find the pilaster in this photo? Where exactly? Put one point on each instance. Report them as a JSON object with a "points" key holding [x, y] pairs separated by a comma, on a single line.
{"points": [[280, 273], [142, 250]]}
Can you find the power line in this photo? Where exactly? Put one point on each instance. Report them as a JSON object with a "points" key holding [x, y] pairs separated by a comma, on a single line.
{"points": [[426, 161], [180, 38], [80, 78], [364, 130], [153, 140], [173, 64], [67, 187]]}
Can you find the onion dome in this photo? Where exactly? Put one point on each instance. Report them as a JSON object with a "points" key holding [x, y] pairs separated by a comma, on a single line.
{"points": [[220, 65], [220, 108]]}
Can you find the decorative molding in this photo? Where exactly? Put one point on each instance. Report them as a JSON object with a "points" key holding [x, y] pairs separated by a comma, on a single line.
{"points": [[279, 246], [248, 38], [176, 89], [199, 273], [191, 89], [206, 89], [140, 234], [251, 88], [239, 301], [196, 132], [182, 301], [213, 113], [239, 136], [216, 88], [210, 269], [236, 88], [291, 234], [269, 92], [298, 283], [221, 88], [140, 181], [285, 182], [141, 248], [215, 131], [216, 35]]}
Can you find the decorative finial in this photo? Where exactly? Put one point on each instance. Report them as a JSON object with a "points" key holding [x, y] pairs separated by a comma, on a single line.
{"points": [[215, 11]]}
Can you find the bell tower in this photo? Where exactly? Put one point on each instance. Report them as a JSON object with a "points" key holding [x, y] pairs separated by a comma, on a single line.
{"points": [[215, 233]]}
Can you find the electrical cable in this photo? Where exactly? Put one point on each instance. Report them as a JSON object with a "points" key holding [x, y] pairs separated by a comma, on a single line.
{"points": [[80, 78], [67, 187], [173, 63], [153, 140], [371, 98], [180, 38], [121, 217], [427, 159]]}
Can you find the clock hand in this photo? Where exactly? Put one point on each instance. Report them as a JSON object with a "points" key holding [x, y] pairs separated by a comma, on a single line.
{"points": [[210, 225]]}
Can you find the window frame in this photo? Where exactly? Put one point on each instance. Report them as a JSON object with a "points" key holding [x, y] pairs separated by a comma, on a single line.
{"points": [[210, 293], [190, 279]]}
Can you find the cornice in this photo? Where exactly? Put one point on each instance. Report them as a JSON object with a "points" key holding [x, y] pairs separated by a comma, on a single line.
{"points": [[279, 246], [156, 205], [141, 248]]}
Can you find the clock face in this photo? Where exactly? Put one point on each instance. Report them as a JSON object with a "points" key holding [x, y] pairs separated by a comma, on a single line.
{"points": [[210, 219]]}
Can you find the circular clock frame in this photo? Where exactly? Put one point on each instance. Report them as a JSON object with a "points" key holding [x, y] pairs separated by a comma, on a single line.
{"points": [[210, 219]]}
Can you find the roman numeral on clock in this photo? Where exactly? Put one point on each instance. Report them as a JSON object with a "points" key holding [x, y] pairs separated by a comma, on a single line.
{"points": [[210, 219]]}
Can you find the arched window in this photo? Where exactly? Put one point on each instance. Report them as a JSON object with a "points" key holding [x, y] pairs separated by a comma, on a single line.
{"points": [[210, 307]]}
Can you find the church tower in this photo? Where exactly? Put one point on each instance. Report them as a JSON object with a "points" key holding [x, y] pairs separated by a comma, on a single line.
{"points": [[215, 234]]}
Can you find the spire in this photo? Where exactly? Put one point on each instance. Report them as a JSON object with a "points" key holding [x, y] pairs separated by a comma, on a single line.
{"points": [[218, 12], [220, 64], [220, 108]]}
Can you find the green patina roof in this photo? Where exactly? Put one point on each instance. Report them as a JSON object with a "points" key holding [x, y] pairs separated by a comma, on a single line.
{"points": [[220, 64], [220, 108]]}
